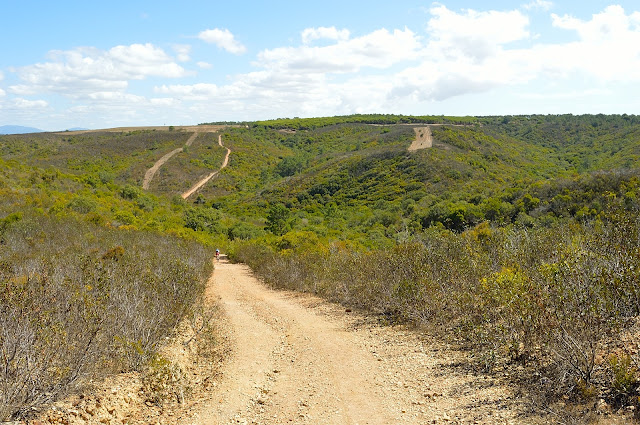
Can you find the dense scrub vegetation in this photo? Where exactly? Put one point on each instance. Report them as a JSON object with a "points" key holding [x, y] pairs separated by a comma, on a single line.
{"points": [[546, 296], [78, 301], [518, 235], [91, 278], [515, 235]]}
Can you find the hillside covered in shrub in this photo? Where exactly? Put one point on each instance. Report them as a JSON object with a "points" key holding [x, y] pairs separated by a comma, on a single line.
{"points": [[516, 235]]}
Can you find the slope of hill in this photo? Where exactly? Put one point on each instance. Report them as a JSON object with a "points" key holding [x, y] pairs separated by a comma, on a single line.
{"points": [[352, 178], [516, 236]]}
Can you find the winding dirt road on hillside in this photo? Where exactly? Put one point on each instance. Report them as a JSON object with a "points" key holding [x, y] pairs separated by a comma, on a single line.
{"points": [[148, 176], [204, 181], [299, 360]]}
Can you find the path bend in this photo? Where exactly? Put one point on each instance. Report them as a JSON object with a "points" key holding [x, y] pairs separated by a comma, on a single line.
{"points": [[148, 176], [204, 181]]}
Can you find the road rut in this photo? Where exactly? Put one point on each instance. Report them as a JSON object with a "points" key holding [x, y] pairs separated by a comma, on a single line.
{"points": [[300, 360]]}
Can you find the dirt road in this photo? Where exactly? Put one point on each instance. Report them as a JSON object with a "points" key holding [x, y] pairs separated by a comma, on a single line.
{"points": [[148, 176], [424, 139], [300, 360], [204, 181]]}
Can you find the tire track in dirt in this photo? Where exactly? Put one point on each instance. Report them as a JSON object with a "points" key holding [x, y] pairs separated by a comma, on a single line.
{"points": [[297, 359], [148, 176], [204, 181]]}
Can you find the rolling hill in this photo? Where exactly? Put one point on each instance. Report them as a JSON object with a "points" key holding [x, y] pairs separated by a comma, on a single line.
{"points": [[17, 129], [516, 236]]}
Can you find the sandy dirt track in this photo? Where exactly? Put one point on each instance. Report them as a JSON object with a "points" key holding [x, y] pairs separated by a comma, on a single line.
{"points": [[204, 181], [423, 138], [300, 360], [148, 176]]}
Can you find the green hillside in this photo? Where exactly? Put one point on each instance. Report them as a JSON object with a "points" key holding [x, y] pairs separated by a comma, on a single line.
{"points": [[516, 235], [351, 178]]}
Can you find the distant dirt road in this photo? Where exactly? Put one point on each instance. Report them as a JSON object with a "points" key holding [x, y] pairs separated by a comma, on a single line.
{"points": [[299, 360], [423, 139], [148, 176], [204, 181]]}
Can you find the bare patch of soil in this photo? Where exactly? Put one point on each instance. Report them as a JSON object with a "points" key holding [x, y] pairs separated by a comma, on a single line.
{"points": [[423, 139]]}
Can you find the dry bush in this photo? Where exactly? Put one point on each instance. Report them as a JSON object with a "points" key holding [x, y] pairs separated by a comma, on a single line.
{"points": [[548, 296], [78, 301]]}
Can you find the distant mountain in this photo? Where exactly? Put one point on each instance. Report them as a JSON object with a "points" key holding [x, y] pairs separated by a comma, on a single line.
{"points": [[77, 129], [18, 129]]}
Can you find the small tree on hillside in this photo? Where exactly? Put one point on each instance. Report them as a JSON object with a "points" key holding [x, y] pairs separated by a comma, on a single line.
{"points": [[278, 219]]}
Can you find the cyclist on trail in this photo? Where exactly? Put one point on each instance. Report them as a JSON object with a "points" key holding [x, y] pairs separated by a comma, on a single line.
{"points": [[218, 254]]}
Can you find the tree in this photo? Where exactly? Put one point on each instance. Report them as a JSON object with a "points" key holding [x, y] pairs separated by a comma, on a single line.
{"points": [[278, 219], [203, 219]]}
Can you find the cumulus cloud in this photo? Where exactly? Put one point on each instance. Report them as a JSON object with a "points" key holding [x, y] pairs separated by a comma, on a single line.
{"points": [[183, 52], [470, 53], [163, 101], [379, 49], [473, 34], [224, 39], [201, 91], [608, 46], [29, 104], [457, 53], [82, 71], [611, 24], [538, 4], [465, 52], [329, 33]]}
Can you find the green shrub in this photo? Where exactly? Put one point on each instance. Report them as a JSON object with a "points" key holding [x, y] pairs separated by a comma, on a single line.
{"points": [[624, 377], [82, 204]]}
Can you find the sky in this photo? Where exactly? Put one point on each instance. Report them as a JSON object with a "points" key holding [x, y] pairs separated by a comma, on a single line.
{"points": [[89, 64]]}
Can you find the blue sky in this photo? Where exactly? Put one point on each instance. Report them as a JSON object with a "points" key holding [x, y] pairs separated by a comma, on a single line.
{"points": [[120, 63]]}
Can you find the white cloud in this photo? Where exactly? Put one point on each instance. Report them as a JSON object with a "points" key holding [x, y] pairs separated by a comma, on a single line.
{"points": [[611, 24], [29, 104], [329, 33], [224, 39], [183, 52], [82, 71], [164, 101], [458, 53], [379, 49], [472, 34], [567, 95], [2, 92], [608, 47], [469, 52], [201, 91], [110, 97], [538, 4], [466, 52]]}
